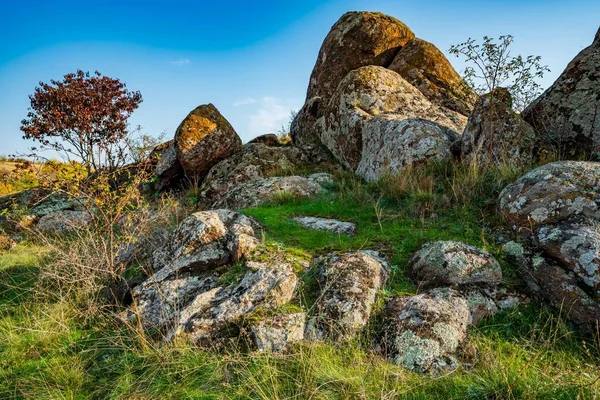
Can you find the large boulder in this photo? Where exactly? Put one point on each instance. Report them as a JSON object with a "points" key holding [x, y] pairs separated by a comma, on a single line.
{"points": [[422, 332], [425, 67], [563, 190], [260, 191], [255, 161], [448, 263], [380, 99], [495, 134], [376, 123], [203, 139], [556, 206], [567, 115], [348, 285], [355, 40]]}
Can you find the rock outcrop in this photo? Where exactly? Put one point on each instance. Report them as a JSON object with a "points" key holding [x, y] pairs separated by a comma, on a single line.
{"points": [[348, 285], [556, 207], [567, 115], [203, 139], [553, 283], [208, 284], [423, 332], [495, 134], [260, 191], [425, 67], [269, 139], [378, 123], [276, 333], [255, 161], [380, 99], [576, 247]]}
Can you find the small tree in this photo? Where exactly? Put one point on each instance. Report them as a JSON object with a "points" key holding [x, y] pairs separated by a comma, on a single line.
{"points": [[84, 116], [493, 66]]}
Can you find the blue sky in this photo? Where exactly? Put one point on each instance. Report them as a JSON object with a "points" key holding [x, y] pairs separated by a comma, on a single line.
{"points": [[252, 59]]}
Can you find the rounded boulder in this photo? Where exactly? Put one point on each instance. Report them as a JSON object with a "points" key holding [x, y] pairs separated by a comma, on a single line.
{"points": [[203, 139]]}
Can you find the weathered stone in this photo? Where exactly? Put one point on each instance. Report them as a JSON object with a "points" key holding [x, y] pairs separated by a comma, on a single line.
{"points": [[325, 224], [549, 281], [495, 134], [305, 127], [355, 40], [204, 241], [378, 123], [55, 202], [205, 286], [63, 221], [424, 66], [423, 331], [576, 247], [348, 287], [567, 115], [447, 263], [564, 190], [167, 168], [269, 139], [259, 191], [276, 333], [481, 305], [203, 139], [210, 314], [255, 161]]}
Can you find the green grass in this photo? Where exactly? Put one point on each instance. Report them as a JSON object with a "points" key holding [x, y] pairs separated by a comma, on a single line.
{"points": [[382, 224], [47, 351], [50, 348]]}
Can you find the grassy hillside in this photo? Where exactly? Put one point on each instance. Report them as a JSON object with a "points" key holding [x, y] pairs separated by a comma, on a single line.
{"points": [[7, 167], [17, 174], [56, 342]]}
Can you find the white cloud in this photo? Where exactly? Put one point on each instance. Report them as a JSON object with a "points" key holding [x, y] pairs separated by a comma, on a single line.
{"points": [[272, 114], [180, 62], [246, 101]]}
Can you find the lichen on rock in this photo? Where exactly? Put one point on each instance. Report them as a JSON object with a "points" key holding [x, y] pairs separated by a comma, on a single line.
{"points": [[203, 139]]}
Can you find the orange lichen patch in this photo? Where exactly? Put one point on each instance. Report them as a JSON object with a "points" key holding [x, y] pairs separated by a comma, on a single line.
{"points": [[204, 138], [196, 127], [425, 56]]}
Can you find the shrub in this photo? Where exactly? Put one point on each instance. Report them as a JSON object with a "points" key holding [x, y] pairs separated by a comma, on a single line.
{"points": [[83, 116]]}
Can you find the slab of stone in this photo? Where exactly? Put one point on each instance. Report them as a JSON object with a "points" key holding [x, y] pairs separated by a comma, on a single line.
{"points": [[326, 224]]}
